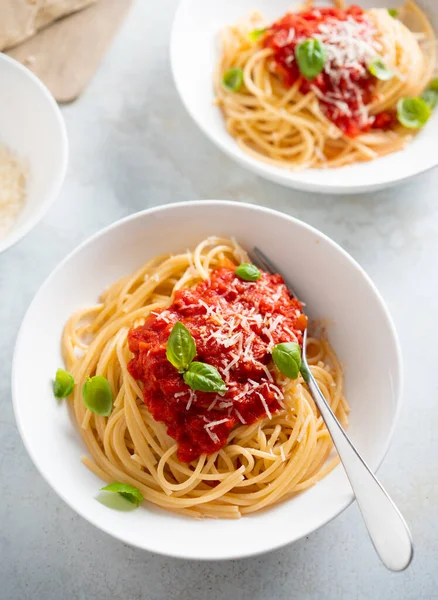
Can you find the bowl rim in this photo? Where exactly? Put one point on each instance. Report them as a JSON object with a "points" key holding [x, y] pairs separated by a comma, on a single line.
{"points": [[278, 175], [195, 555], [14, 235]]}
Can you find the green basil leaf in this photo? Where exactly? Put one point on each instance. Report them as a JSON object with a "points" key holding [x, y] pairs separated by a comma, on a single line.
{"points": [[378, 68], [98, 396], [248, 272], [305, 372], [127, 491], [256, 34], [287, 357], [431, 98], [310, 56], [204, 378], [181, 347], [433, 85], [233, 80], [63, 384], [430, 95], [413, 113], [393, 12]]}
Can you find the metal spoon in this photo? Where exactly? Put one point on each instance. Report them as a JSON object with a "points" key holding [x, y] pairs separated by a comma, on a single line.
{"points": [[386, 526]]}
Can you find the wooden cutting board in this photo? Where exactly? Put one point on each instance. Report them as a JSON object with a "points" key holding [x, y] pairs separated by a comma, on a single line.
{"points": [[66, 54]]}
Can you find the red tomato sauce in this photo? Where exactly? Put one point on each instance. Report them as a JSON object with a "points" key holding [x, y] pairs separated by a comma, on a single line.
{"points": [[352, 84], [235, 325]]}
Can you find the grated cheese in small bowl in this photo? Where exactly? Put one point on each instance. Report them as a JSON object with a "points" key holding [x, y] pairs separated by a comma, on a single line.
{"points": [[13, 174]]}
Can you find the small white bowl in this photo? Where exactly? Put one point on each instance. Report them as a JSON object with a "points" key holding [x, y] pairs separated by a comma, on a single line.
{"points": [[194, 52], [328, 279], [32, 128]]}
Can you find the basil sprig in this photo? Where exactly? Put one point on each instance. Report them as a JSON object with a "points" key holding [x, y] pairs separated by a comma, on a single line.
{"points": [[180, 352], [204, 378], [430, 95], [413, 113], [181, 347], [310, 56], [256, 34], [393, 12], [98, 396], [131, 493], [247, 272], [380, 71], [232, 79], [287, 357], [63, 384]]}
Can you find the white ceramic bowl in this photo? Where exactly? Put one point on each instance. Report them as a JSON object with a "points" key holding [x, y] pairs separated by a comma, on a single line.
{"points": [[194, 51], [32, 128], [328, 279]]}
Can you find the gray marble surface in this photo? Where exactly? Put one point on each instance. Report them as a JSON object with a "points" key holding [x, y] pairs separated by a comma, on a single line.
{"points": [[133, 146]]}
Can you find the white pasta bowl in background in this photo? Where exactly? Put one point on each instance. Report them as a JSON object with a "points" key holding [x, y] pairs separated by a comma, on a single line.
{"points": [[195, 49], [33, 131], [335, 289]]}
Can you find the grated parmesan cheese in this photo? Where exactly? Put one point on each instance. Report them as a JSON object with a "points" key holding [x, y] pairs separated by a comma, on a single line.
{"points": [[13, 173], [349, 45], [191, 398], [239, 416], [208, 427], [265, 406]]}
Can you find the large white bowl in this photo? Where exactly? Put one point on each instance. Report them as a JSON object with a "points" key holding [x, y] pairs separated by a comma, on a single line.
{"points": [[194, 51], [32, 127], [327, 278]]}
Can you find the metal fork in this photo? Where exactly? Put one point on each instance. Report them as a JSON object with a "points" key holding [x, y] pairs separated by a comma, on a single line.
{"points": [[385, 524]]}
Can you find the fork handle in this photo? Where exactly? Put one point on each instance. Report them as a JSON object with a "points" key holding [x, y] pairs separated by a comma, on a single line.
{"points": [[386, 526]]}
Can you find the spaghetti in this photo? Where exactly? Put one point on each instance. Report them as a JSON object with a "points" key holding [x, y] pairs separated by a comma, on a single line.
{"points": [[281, 451], [349, 111]]}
